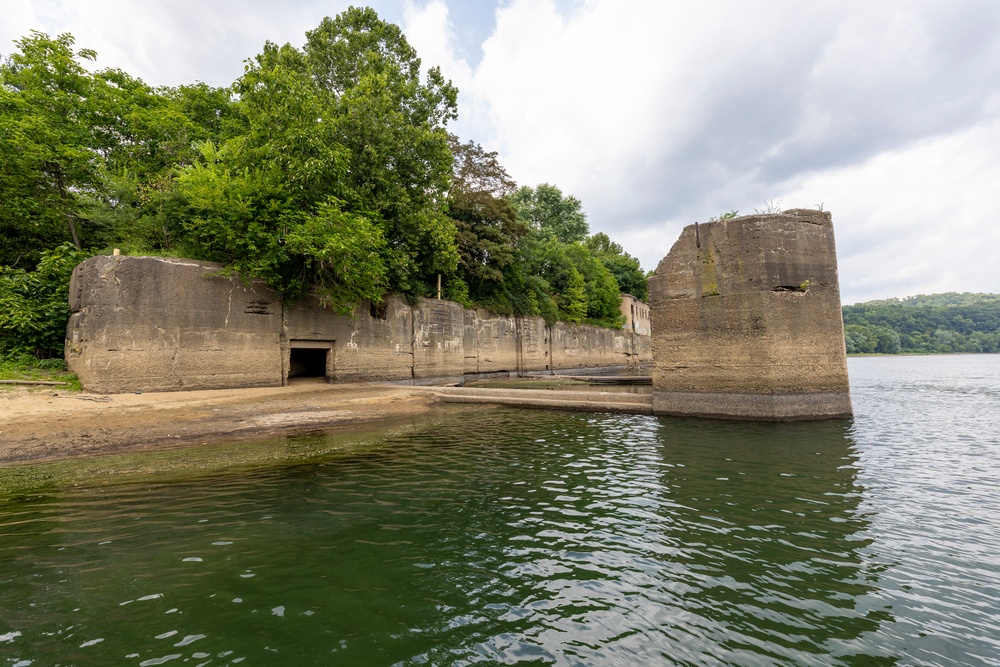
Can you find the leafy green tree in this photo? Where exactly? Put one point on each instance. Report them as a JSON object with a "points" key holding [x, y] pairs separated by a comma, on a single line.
{"points": [[90, 157], [340, 176], [603, 295], [398, 159], [488, 228], [561, 266], [153, 134], [623, 266], [572, 300], [551, 213], [870, 339], [48, 145]]}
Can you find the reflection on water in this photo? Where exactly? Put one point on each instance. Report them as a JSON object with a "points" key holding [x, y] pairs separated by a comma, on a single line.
{"points": [[500, 536]]}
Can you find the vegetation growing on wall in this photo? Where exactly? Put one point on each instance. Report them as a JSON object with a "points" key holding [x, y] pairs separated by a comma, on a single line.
{"points": [[935, 323], [326, 167]]}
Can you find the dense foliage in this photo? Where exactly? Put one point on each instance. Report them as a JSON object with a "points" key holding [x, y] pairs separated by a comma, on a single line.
{"points": [[934, 323], [327, 167], [30, 301]]}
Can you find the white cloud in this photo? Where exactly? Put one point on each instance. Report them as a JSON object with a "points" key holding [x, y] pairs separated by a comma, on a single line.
{"points": [[917, 220], [19, 17]]}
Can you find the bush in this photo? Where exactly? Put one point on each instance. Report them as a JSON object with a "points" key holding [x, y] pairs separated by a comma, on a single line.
{"points": [[34, 305]]}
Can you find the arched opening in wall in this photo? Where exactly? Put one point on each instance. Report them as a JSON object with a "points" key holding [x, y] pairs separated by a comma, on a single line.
{"points": [[310, 359]]}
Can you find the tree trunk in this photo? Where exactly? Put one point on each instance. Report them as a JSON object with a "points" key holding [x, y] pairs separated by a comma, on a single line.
{"points": [[64, 195], [72, 231]]}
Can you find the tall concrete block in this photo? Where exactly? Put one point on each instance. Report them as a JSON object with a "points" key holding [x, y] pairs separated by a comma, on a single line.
{"points": [[534, 343], [746, 321], [438, 340], [154, 324]]}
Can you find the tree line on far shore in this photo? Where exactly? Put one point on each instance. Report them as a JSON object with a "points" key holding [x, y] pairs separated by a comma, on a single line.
{"points": [[924, 324], [326, 168]]}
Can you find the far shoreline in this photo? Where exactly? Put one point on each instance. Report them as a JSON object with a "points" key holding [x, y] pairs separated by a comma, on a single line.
{"points": [[920, 354]]}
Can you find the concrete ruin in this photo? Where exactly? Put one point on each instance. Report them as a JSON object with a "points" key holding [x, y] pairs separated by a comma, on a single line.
{"points": [[154, 324], [746, 321]]}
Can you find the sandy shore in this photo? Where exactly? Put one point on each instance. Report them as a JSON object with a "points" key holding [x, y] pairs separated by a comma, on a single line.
{"points": [[47, 425]]}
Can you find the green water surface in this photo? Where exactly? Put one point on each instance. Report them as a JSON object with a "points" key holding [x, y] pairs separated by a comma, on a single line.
{"points": [[503, 536]]}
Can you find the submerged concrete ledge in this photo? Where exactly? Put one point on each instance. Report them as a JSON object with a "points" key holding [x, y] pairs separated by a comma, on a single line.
{"points": [[583, 401]]}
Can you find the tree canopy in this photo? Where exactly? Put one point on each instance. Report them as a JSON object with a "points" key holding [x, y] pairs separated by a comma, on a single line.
{"points": [[551, 213], [326, 167]]}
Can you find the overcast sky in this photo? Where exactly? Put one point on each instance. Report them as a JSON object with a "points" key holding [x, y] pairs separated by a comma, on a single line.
{"points": [[656, 114]]}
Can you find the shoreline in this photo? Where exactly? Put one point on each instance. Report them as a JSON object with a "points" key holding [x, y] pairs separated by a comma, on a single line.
{"points": [[45, 426], [48, 426]]}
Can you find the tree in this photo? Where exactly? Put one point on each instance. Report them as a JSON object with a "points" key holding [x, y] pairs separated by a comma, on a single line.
{"points": [[152, 133], [573, 298], [554, 251], [47, 145], [623, 266], [398, 160], [603, 296], [552, 214], [263, 203], [340, 176], [488, 228], [91, 157]]}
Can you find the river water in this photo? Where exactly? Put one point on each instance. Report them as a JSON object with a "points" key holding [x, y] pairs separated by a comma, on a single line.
{"points": [[500, 536]]}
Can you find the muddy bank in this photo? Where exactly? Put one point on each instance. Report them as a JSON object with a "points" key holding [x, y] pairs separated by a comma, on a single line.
{"points": [[50, 425]]}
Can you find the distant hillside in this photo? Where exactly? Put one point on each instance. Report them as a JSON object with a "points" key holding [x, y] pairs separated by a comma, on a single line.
{"points": [[931, 323]]}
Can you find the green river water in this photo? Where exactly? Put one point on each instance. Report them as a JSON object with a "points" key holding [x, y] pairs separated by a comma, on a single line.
{"points": [[503, 536]]}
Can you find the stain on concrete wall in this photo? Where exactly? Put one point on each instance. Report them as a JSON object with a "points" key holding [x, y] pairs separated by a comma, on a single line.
{"points": [[746, 320]]}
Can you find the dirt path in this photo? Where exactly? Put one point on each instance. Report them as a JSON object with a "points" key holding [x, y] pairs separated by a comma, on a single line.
{"points": [[45, 425]]}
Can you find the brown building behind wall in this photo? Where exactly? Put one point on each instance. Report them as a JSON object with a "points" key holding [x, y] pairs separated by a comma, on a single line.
{"points": [[746, 321], [636, 315]]}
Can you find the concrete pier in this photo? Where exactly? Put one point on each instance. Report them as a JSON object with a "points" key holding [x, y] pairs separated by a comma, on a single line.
{"points": [[746, 321]]}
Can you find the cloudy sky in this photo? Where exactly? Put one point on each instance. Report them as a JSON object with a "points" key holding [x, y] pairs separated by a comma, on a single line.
{"points": [[658, 113]]}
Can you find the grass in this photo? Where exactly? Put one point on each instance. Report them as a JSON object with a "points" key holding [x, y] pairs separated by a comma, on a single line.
{"points": [[22, 366]]}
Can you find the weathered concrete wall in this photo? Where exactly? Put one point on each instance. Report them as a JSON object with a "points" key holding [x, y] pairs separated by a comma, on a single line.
{"points": [[534, 341], [496, 343], [438, 340], [150, 324], [490, 342], [575, 346], [365, 346], [747, 323]]}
